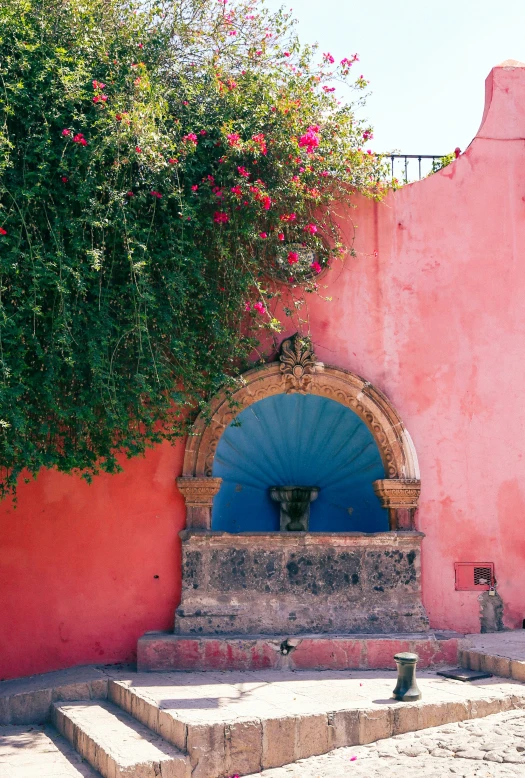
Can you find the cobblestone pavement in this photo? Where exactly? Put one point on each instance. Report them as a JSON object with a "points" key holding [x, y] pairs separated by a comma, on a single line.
{"points": [[493, 747]]}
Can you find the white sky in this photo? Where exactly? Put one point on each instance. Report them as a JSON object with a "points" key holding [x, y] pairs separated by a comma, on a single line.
{"points": [[427, 61]]}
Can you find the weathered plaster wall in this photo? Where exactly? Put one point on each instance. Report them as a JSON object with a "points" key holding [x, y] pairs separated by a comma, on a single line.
{"points": [[432, 311], [78, 565]]}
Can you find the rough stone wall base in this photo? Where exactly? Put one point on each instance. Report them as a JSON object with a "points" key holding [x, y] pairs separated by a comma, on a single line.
{"points": [[300, 583]]}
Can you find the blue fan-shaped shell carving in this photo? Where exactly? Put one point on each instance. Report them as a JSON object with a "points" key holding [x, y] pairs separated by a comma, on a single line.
{"points": [[304, 440]]}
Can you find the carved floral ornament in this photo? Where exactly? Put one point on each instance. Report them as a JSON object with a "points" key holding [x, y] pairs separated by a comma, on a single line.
{"points": [[298, 370], [298, 364]]}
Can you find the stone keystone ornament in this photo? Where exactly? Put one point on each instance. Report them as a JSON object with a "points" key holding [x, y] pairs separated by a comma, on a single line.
{"points": [[406, 689], [298, 363], [295, 506]]}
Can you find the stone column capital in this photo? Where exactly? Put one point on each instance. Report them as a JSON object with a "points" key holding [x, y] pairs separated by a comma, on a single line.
{"points": [[400, 496], [199, 492], [398, 492]]}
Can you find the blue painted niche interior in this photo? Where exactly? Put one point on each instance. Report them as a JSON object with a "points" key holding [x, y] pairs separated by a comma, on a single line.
{"points": [[303, 440]]}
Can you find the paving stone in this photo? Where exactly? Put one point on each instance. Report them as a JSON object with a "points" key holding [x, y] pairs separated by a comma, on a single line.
{"points": [[39, 752], [457, 753]]}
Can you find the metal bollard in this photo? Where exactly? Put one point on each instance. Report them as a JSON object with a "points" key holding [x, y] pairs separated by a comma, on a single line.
{"points": [[406, 689]]}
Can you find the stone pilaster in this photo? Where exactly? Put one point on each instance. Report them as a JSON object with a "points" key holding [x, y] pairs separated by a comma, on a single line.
{"points": [[400, 496], [198, 494]]}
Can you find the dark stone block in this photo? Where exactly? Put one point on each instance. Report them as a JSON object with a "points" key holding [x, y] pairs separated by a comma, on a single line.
{"points": [[324, 572], [236, 570], [390, 569]]}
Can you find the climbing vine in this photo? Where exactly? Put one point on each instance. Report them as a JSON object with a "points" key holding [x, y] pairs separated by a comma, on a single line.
{"points": [[168, 173]]}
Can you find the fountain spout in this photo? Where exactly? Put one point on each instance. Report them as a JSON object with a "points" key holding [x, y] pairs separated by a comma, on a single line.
{"points": [[295, 506]]}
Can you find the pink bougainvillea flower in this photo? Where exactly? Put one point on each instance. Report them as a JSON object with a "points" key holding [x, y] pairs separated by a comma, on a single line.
{"points": [[64, 179], [311, 228], [316, 267], [185, 102], [259, 52], [261, 142], [172, 161], [353, 758], [138, 149], [2, 231], [237, 190], [368, 135], [281, 236], [293, 257], [287, 217], [286, 53], [243, 172], [203, 132], [310, 140], [220, 217], [263, 235], [328, 58], [156, 194], [247, 307], [233, 139], [66, 132], [266, 202], [328, 89], [118, 117], [259, 307], [98, 85], [195, 188], [190, 138], [141, 45], [130, 194], [79, 138], [324, 173]]}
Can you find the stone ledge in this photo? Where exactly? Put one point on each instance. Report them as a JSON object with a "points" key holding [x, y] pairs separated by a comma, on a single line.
{"points": [[280, 539], [163, 651]]}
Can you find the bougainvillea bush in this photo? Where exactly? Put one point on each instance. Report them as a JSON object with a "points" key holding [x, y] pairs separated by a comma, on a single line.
{"points": [[168, 174]]}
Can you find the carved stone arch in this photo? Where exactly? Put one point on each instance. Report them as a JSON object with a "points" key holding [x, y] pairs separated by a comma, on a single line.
{"points": [[297, 370]]}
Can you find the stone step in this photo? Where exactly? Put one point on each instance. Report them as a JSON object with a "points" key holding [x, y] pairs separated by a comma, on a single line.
{"points": [[115, 744], [243, 722], [164, 651], [503, 666]]}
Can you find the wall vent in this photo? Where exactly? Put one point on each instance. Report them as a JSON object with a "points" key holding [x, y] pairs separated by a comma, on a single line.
{"points": [[474, 576]]}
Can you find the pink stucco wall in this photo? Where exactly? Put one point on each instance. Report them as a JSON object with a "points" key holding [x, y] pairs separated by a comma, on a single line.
{"points": [[432, 311]]}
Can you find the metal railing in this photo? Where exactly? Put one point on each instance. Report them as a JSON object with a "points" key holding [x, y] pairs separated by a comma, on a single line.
{"points": [[406, 157]]}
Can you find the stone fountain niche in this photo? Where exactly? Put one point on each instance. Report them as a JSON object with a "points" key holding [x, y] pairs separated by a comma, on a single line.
{"points": [[300, 501]]}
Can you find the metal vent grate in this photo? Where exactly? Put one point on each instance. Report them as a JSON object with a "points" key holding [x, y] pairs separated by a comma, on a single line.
{"points": [[474, 576], [482, 576]]}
